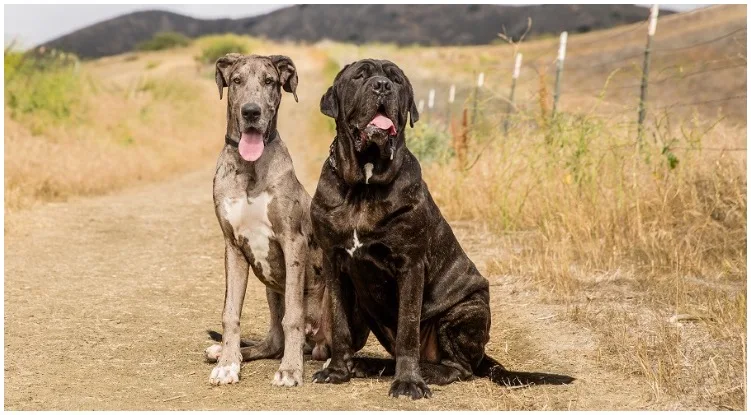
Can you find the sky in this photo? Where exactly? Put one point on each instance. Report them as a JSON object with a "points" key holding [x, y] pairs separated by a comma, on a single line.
{"points": [[30, 25]]}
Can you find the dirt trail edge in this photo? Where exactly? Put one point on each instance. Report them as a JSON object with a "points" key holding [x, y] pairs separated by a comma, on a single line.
{"points": [[107, 300]]}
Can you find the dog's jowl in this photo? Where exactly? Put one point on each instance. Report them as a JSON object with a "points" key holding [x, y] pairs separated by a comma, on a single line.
{"points": [[391, 262], [263, 211]]}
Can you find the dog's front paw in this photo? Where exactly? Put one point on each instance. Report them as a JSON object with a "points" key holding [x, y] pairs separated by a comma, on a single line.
{"points": [[225, 374], [331, 375], [213, 353], [413, 388], [285, 377]]}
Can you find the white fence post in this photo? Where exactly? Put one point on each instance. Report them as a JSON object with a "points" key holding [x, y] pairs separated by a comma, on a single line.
{"points": [[559, 70], [645, 71], [514, 77], [480, 82]]}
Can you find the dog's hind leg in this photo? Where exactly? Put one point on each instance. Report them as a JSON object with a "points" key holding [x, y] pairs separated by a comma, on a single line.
{"points": [[462, 333], [273, 345], [367, 367], [269, 348]]}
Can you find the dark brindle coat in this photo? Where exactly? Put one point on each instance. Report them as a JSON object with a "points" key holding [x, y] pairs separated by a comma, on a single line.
{"points": [[391, 260]]}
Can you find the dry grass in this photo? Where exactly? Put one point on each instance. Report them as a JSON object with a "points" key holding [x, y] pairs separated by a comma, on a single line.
{"points": [[132, 125], [627, 236]]}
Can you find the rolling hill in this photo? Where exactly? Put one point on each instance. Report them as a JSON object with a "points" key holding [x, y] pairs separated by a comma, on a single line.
{"points": [[400, 24]]}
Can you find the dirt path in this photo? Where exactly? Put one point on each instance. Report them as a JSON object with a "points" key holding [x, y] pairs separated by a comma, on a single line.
{"points": [[107, 300]]}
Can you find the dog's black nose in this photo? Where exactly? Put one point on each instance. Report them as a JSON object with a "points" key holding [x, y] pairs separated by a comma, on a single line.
{"points": [[251, 112], [382, 85]]}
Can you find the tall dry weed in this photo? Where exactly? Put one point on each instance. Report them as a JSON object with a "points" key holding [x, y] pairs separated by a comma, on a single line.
{"points": [[585, 211]]}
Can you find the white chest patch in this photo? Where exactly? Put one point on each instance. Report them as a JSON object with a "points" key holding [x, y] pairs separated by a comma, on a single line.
{"points": [[355, 245], [368, 172], [249, 218]]}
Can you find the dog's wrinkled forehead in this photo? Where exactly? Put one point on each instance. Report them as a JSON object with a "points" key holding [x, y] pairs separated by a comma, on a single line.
{"points": [[252, 65], [368, 68]]}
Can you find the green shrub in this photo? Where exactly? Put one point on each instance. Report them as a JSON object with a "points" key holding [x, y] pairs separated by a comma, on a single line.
{"points": [[429, 142], [44, 86], [214, 47], [164, 40]]}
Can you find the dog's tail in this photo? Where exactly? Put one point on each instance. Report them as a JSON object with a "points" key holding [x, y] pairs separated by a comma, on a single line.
{"points": [[490, 368], [217, 337]]}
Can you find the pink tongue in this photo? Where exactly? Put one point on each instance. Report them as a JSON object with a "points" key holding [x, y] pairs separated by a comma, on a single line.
{"points": [[384, 123], [251, 146]]}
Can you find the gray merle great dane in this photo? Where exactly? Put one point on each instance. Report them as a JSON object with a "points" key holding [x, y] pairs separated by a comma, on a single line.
{"points": [[264, 213]]}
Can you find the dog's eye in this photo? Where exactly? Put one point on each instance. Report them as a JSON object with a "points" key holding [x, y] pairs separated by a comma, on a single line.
{"points": [[269, 81], [236, 80], [359, 75]]}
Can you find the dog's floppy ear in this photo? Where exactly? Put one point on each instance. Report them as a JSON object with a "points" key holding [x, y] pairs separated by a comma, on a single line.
{"points": [[287, 73], [223, 66], [329, 101], [414, 116], [329, 104]]}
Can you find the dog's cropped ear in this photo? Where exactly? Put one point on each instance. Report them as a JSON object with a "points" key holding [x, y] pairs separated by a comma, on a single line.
{"points": [[287, 73], [329, 104], [223, 66]]}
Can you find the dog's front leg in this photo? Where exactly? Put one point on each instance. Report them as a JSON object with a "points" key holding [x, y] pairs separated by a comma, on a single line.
{"points": [[227, 369], [408, 381], [291, 370], [340, 303]]}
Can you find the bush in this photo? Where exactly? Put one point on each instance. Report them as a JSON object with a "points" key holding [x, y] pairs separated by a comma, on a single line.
{"points": [[429, 142], [44, 85], [164, 40], [214, 47]]}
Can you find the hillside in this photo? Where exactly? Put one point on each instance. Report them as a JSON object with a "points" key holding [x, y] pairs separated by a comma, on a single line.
{"points": [[400, 24]]}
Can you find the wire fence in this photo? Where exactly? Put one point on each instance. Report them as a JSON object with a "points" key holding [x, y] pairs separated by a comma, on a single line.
{"points": [[618, 94]]}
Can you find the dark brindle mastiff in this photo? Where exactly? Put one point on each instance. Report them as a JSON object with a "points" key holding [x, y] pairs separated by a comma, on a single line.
{"points": [[263, 211], [390, 258]]}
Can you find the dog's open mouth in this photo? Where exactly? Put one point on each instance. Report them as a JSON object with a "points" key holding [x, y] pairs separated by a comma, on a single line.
{"points": [[251, 145], [380, 131], [383, 123]]}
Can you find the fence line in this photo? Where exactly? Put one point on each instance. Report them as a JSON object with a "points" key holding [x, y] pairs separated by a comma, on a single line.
{"points": [[711, 101], [655, 50], [481, 96], [658, 50], [613, 36], [676, 77]]}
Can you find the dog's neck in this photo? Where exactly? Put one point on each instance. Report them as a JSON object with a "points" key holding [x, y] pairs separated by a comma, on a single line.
{"points": [[343, 159]]}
